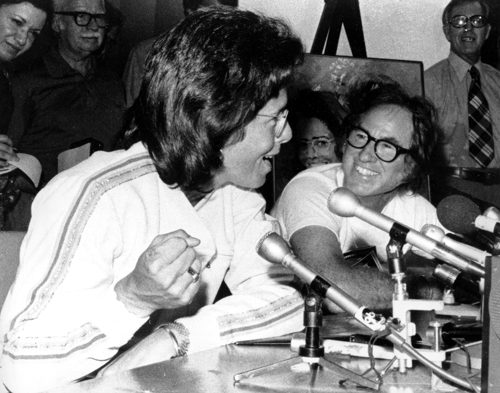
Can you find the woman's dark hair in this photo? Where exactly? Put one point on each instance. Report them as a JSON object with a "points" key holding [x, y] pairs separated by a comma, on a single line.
{"points": [[205, 80], [44, 5], [369, 94], [322, 105]]}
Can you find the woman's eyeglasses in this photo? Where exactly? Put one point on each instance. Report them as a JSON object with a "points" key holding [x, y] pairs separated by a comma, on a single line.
{"points": [[384, 150], [318, 143], [281, 120]]}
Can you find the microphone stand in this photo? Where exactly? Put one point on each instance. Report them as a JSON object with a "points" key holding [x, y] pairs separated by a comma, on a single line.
{"points": [[402, 305], [311, 354], [274, 249]]}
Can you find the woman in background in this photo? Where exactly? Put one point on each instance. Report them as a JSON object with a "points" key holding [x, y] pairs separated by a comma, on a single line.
{"points": [[315, 118], [20, 23]]}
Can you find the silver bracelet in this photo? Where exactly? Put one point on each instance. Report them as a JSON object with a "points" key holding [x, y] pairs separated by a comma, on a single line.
{"points": [[179, 335]]}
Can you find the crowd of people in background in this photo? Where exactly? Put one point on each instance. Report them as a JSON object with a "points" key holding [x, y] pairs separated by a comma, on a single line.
{"points": [[152, 227]]}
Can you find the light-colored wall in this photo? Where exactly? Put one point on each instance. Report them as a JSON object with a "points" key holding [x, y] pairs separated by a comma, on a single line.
{"points": [[393, 29]]}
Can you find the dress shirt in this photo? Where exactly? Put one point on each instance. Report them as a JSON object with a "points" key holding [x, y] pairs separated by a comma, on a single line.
{"points": [[447, 85]]}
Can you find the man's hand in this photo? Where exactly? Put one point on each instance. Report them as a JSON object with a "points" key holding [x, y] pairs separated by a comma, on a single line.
{"points": [[161, 278], [7, 151]]}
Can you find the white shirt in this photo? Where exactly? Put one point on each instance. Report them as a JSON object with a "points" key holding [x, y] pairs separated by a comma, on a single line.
{"points": [[304, 203]]}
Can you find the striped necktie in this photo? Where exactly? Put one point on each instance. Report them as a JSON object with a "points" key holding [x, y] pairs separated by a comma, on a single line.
{"points": [[480, 132]]}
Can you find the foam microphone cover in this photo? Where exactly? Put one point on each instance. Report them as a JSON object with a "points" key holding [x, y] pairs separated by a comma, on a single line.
{"points": [[458, 213]]}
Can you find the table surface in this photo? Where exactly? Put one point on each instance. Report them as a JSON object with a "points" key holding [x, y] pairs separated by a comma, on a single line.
{"points": [[213, 371]]}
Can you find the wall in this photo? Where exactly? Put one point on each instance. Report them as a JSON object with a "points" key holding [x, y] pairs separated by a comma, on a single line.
{"points": [[398, 29], [393, 29], [144, 19]]}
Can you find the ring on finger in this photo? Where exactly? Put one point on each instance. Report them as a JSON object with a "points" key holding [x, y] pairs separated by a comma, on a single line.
{"points": [[194, 274]]}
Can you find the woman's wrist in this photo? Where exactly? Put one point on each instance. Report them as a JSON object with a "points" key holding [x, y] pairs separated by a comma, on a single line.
{"points": [[179, 335], [124, 290]]}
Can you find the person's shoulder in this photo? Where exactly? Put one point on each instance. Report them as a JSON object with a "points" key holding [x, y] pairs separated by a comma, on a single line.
{"points": [[105, 179], [320, 172], [144, 46], [412, 202], [312, 182], [436, 68], [490, 70], [139, 52], [29, 73], [436, 79], [240, 196], [231, 200], [107, 170], [413, 210]]}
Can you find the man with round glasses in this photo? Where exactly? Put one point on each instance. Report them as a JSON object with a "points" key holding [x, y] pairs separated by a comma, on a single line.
{"points": [[385, 150], [389, 139], [471, 151]]}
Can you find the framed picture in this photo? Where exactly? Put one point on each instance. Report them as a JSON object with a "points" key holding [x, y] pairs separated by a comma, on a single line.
{"points": [[337, 74]]}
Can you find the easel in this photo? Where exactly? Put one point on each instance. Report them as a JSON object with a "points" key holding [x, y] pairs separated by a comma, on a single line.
{"points": [[335, 13]]}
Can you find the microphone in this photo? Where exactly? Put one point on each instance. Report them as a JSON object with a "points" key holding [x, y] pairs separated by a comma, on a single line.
{"points": [[274, 249], [469, 252], [461, 215], [456, 279], [452, 332], [488, 224], [345, 203], [493, 213]]}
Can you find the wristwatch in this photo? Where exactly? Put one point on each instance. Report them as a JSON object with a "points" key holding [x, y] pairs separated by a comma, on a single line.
{"points": [[179, 335]]}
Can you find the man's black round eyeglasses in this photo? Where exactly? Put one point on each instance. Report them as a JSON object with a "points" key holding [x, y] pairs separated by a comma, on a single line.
{"points": [[384, 150], [459, 21], [84, 18]]}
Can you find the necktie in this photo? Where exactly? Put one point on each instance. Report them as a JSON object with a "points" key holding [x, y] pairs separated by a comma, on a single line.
{"points": [[480, 133]]}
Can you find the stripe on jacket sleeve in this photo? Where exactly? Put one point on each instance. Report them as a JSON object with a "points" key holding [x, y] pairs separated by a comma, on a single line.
{"points": [[87, 199]]}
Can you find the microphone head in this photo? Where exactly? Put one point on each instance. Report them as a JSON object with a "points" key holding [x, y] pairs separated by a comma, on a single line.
{"points": [[458, 213], [343, 202], [433, 232], [493, 213], [273, 248]]}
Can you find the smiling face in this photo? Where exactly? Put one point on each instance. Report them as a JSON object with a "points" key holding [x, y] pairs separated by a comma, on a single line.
{"points": [[79, 41], [316, 144], [248, 161], [365, 174], [20, 24], [467, 41]]}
